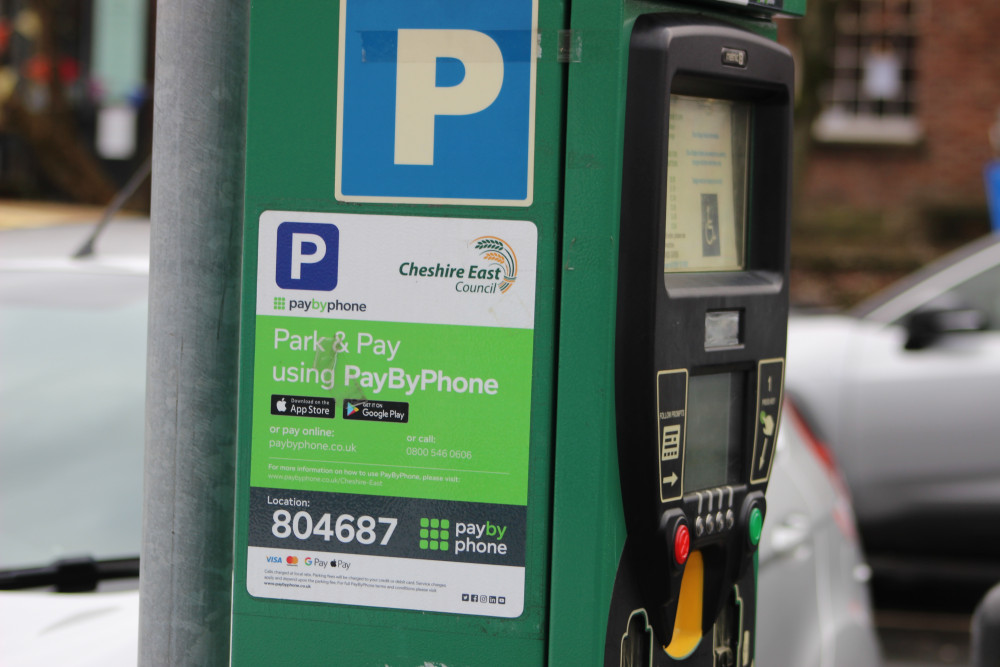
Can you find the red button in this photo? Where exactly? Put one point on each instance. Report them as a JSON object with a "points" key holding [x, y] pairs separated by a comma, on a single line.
{"points": [[682, 544]]}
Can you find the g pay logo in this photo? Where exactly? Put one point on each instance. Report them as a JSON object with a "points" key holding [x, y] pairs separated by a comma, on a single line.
{"points": [[307, 256], [436, 101]]}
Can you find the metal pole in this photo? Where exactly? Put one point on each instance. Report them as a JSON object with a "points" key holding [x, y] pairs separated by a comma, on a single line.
{"points": [[197, 193]]}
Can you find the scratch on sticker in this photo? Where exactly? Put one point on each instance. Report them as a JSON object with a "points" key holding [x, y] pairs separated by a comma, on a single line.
{"points": [[326, 356]]}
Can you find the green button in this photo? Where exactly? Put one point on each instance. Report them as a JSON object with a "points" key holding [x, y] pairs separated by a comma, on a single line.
{"points": [[756, 525]]}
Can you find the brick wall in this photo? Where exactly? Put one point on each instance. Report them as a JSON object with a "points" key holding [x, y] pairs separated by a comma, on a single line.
{"points": [[958, 93]]}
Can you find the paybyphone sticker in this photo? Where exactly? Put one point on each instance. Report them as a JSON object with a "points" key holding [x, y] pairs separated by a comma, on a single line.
{"points": [[392, 394]]}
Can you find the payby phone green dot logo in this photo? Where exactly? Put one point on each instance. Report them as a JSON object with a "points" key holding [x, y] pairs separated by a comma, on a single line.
{"points": [[434, 534], [279, 303]]}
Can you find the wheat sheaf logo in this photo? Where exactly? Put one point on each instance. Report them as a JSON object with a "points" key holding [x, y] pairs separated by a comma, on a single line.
{"points": [[499, 253]]}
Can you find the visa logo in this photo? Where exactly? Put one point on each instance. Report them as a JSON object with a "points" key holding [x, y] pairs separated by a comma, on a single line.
{"points": [[274, 559]]}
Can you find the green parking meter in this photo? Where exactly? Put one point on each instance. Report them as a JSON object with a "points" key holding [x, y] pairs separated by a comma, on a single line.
{"points": [[514, 294], [702, 311]]}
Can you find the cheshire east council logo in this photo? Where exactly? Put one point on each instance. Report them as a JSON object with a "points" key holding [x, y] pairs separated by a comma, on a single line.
{"points": [[501, 255]]}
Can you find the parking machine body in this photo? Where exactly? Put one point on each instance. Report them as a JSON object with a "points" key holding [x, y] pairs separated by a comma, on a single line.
{"points": [[501, 348]]}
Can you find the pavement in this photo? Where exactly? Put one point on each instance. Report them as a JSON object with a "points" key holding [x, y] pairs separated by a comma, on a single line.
{"points": [[924, 639]]}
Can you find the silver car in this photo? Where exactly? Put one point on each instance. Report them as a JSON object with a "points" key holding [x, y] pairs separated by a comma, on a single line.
{"points": [[72, 385], [814, 604], [906, 390]]}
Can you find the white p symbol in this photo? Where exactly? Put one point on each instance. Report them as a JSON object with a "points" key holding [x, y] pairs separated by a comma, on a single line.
{"points": [[300, 239], [419, 100]]}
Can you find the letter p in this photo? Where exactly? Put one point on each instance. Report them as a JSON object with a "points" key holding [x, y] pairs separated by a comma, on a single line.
{"points": [[307, 256], [299, 257], [419, 100]]}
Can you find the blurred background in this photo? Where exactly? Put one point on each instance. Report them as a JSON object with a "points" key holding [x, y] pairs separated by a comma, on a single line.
{"points": [[75, 102], [897, 127], [897, 103]]}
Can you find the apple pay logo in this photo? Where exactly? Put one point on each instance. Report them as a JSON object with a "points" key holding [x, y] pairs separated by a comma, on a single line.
{"points": [[307, 256]]}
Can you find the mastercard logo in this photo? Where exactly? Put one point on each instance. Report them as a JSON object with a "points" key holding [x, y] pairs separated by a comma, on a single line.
{"points": [[292, 560]]}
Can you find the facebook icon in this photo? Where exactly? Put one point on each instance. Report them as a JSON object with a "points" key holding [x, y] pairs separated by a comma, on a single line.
{"points": [[307, 256], [436, 101]]}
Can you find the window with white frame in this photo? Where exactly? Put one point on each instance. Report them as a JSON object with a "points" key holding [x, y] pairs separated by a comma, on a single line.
{"points": [[871, 96]]}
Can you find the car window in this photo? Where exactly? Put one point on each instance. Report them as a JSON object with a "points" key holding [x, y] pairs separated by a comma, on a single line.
{"points": [[980, 292], [72, 377], [895, 303]]}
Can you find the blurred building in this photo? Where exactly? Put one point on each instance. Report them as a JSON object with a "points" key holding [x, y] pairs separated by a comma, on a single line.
{"points": [[75, 112], [912, 93], [910, 90]]}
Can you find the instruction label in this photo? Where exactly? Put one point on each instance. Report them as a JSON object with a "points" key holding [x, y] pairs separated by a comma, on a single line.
{"points": [[392, 393]]}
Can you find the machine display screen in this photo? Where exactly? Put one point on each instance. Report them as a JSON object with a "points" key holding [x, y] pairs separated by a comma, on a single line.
{"points": [[706, 185], [714, 415]]}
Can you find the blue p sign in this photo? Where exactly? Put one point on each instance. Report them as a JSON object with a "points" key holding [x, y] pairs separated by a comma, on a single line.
{"points": [[307, 256], [436, 101]]}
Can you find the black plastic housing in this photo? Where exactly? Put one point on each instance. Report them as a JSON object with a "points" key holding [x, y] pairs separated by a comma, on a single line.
{"points": [[661, 316]]}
